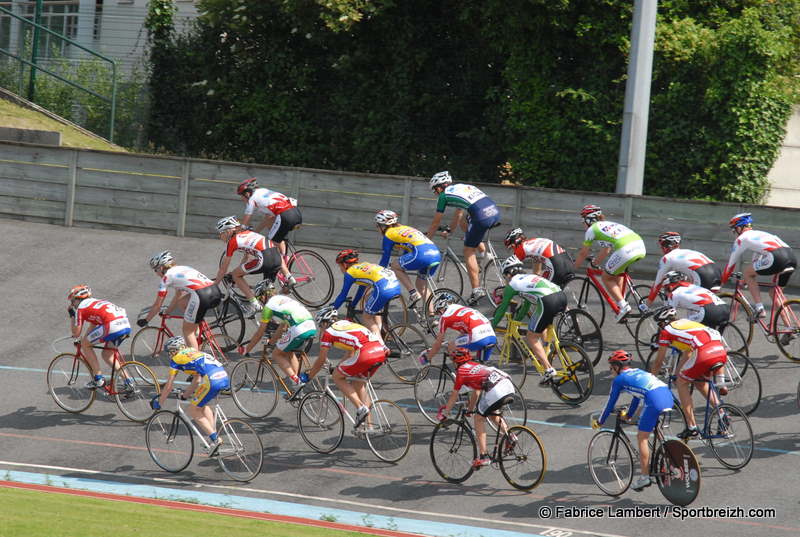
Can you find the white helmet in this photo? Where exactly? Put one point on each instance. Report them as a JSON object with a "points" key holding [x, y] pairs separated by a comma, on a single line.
{"points": [[386, 218], [326, 315], [161, 259], [510, 264], [443, 300], [227, 223], [174, 344], [264, 288], [439, 179]]}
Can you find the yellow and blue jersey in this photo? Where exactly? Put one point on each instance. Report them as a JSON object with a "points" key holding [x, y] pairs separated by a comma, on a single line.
{"points": [[406, 238], [365, 275], [195, 362]]}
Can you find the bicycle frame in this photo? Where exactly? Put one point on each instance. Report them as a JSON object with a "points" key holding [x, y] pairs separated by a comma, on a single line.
{"points": [[204, 335], [116, 361], [777, 298], [595, 275], [513, 334]]}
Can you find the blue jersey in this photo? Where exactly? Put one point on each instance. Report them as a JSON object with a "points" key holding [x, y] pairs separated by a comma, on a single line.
{"points": [[636, 382]]}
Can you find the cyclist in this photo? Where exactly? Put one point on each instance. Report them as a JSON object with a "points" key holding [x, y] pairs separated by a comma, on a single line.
{"points": [[291, 327], [365, 354], [548, 300], [266, 259], [620, 244], [701, 349], [106, 322], [697, 267], [420, 254], [641, 385], [770, 256], [193, 291], [549, 259], [208, 379], [476, 330], [483, 215], [382, 280], [702, 305], [491, 388], [279, 210]]}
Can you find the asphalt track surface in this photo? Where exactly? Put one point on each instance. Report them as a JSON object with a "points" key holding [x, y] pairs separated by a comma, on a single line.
{"points": [[40, 262]]}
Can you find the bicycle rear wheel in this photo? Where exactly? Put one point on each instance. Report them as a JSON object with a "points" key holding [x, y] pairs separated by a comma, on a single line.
{"points": [[134, 385], [254, 388], [635, 315], [147, 347], [734, 338], [169, 441], [574, 379], [432, 387], [405, 343], [677, 472], [226, 322], [787, 329], [582, 294], [741, 315], [611, 462], [449, 274], [321, 421], [517, 365], [646, 333], [241, 453], [453, 449], [523, 460], [388, 431], [743, 382], [579, 326], [67, 376], [314, 278], [732, 442]]}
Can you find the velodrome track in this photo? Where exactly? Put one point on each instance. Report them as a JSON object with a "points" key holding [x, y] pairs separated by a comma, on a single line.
{"points": [[40, 262]]}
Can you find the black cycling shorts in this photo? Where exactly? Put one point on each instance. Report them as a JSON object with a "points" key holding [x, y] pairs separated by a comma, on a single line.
{"points": [[716, 314], [271, 264], [290, 218], [782, 258], [552, 305], [710, 276], [563, 269]]}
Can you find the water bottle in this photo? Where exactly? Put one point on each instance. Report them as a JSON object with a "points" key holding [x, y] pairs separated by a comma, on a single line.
{"points": [[643, 307], [303, 377]]}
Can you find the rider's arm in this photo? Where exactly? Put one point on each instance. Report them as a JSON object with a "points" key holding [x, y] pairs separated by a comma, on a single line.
{"points": [[346, 284], [437, 219], [450, 401], [165, 391], [522, 311], [662, 351], [437, 344], [736, 253], [616, 387], [262, 327], [267, 221], [633, 407], [360, 292], [583, 253], [155, 308], [318, 363], [459, 213], [601, 255], [508, 294], [388, 245], [187, 393]]}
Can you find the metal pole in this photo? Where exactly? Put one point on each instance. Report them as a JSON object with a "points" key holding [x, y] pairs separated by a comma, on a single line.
{"points": [[37, 19], [113, 101], [633, 144]]}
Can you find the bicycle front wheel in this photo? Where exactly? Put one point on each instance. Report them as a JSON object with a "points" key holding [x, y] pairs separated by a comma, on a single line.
{"points": [[241, 453], [254, 388], [741, 315], [226, 322], [169, 441], [646, 333], [147, 347], [449, 274], [314, 278], [67, 376], [321, 422], [610, 462], [787, 329], [579, 326], [574, 379], [636, 296], [453, 449], [523, 460], [517, 365], [133, 386], [432, 387], [388, 431], [677, 472], [730, 435], [405, 344], [582, 294], [743, 382]]}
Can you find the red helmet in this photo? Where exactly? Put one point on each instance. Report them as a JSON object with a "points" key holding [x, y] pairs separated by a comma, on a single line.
{"points": [[591, 213], [620, 357], [461, 355], [79, 292], [670, 239], [247, 186], [347, 256]]}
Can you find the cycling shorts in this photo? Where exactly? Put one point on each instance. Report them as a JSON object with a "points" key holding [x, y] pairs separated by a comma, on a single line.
{"points": [[699, 365], [619, 261], [483, 215], [776, 262], [112, 332], [424, 259], [284, 223], [545, 310], [655, 402], [365, 361], [382, 292], [711, 315], [200, 301], [296, 336], [493, 398], [708, 276], [210, 387], [268, 264], [561, 269]]}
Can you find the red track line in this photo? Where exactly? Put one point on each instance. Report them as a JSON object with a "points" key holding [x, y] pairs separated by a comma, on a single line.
{"points": [[210, 509]]}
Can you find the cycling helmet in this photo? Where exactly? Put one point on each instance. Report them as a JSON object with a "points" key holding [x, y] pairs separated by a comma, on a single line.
{"points": [[80, 292], [443, 300], [326, 315], [347, 256], [440, 179], [670, 239], [511, 266], [514, 237], [741, 220], [591, 213], [227, 223], [174, 344], [672, 277], [264, 288], [161, 259], [619, 357], [665, 315], [386, 218], [460, 355], [247, 186]]}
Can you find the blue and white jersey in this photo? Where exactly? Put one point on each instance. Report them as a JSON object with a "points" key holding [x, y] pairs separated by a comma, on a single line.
{"points": [[634, 381]]}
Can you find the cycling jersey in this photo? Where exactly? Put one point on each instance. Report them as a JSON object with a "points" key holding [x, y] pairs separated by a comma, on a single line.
{"points": [[692, 297], [531, 287], [197, 363], [268, 201], [641, 385], [758, 242], [540, 250], [347, 335], [111, 321], [483, 213], [686, 335], [462, 319], [382, 280], [182, 278], [285, 309], [475, 376], [249, 242], [460, 196], [609, 235], [681, 260]]}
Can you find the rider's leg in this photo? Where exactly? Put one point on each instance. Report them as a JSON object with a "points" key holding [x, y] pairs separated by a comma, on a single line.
{"points": [[614, 285], [203, 417], [749, 276], [374, 323], [287, 361], [472, 266], [190, 334], [238, 279], [644, 451], [91, 357], [535, 343], [401, 275], [346, 388], [686, 401]]}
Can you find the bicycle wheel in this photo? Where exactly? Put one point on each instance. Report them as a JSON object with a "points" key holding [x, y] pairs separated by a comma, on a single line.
{"points": [[523, 460], [741, 315], [733, 338], [514, 412], [611, 462], [134, 385], [787, 329], [582, 294], [574, 378], [743, 382], [453, 449], [321, 421], [642, 290], [493, 281], [67, 376], [226, 322], [169, 440], [677, 472], [314, 278], [430, 319], [254, 388], [730, 435], [449, 274], [579, 326], [241, 453], [646, 333], [517, 365], [388, 431], [395, 313], [147, 347], [405, 343], [432, 387]]}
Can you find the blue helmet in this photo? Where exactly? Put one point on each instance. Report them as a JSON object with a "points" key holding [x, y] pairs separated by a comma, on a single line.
{"points": [[741, 220]]}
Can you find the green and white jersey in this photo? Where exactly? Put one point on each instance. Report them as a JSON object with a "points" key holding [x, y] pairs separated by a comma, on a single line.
{"points": [[609, 234], [285, 309], [460, 196], [532, 287]]}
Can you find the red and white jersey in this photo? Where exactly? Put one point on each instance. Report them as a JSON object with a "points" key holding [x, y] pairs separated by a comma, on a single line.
{"points": [[462, 319], [681, 260], [537, 249], [473, 375], [346, 335], [758, 242], [96, 311], [266, 201], [183, 278], [692, 297], [249, 242], [684, 335]]}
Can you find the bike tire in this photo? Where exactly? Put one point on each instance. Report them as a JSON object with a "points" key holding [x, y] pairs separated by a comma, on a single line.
{"points": [[321, 422], [745, 389], [241, 454], [579, 326], [388, 431], [611, 463], [734, 338], [314, 278], [406, 343], [67, 375], [134, 385], [677, 472], [147, 347], [523, 460], [787, 333], [226, 322], [449, 273], [514, 412], [493, 281], [430, 319], [574, 379], [582, 294], [732, 444], [519, 355], [432, 387], [741, 315], [169, 441], [643, 290], [646, 333], [452, 449], [254, 388]]}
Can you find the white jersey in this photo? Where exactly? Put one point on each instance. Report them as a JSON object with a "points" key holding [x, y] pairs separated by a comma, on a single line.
{"points": [[183, 278], [682, 260], [692, 297], [758, 242], [268, 201]]}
